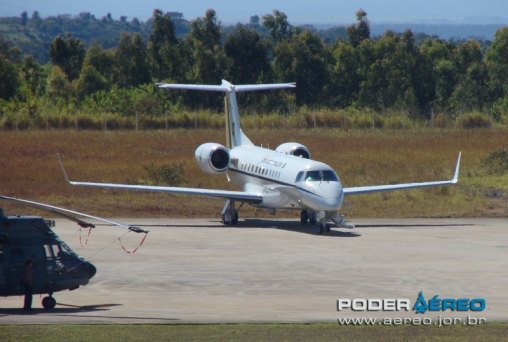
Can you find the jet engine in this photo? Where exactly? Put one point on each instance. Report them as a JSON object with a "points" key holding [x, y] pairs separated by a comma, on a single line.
{"points": [[212, 157], [295, 149]]}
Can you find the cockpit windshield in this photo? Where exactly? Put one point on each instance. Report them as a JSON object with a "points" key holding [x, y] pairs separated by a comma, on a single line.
{"points": [[321, 175]]}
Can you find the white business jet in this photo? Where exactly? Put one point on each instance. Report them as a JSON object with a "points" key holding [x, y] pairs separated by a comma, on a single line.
{"points": [[284, 178]]}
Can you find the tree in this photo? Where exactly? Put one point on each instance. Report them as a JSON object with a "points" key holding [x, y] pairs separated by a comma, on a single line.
{"points": [[466, 54], [90, 81], [67, 53], [497, 63], [304, 59], [131, 65], [162, 46], [445, 80], [58, 85], [207, 30], [346, 81], [103, 61], [208, 58], [36, 19], [33, 76], [278, 26], [472, 91], [359, 31], [8, 78], [248, 56], [24, 18], [389, 72]]}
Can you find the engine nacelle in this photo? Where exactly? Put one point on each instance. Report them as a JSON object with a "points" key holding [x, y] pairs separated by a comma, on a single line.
{"points": [[212, 157], [295, 149]]}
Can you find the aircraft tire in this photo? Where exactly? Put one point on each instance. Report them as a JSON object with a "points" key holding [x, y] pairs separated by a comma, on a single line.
{"points": [[312, 218], [322, 227], [234, 219], [48, 303], [304, 217]]}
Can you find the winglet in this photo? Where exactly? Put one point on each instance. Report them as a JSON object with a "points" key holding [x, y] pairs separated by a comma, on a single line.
{"points": [[457, 168], [63, 168]]}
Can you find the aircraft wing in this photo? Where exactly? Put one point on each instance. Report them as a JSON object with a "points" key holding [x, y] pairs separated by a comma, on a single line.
{"points": [[240, 196], [70, 214], [378, 188]]}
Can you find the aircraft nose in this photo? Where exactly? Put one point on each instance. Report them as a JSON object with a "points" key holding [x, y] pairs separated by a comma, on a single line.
{"points": [[334, 196]]}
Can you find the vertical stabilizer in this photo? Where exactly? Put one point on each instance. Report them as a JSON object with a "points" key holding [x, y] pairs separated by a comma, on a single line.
{"points": [[233, 132], [234, 135]]}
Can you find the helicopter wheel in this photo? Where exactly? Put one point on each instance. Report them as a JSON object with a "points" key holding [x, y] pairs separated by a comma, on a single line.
{"points": [[48, 302]]}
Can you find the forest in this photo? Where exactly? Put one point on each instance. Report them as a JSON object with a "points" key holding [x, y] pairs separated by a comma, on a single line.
{"points": [[344, 79]]}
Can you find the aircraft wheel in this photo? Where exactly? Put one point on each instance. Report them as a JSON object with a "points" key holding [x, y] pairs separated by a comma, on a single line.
{"points": [[48, 303], [234, 219], [327, 229], [312, 218], [226, 219], [304, 217], [322, 227]]}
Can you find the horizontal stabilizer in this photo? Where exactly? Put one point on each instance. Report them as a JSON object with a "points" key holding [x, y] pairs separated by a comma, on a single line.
{"points": [[226, 86]]}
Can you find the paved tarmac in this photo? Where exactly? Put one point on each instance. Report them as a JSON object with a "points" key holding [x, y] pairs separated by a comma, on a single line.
{"points": [[196, 270]]}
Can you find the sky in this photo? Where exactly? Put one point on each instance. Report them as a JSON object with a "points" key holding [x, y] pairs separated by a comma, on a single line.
{"points": [[298, 12]]}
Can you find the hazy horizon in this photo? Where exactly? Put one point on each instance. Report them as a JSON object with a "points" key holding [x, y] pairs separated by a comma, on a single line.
{"points": [[320, 12]]}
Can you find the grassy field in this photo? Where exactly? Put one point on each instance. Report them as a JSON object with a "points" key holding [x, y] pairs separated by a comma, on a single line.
{"points": [[361, 157], [252, 332]]}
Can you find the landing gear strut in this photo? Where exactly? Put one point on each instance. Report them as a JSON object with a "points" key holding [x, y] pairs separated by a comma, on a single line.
{"points": [[304, 217], [48, 302], [229, 214], [323, 227]]}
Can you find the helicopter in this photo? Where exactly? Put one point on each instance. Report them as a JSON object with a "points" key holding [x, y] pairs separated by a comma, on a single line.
{"points": [[56, 267]]}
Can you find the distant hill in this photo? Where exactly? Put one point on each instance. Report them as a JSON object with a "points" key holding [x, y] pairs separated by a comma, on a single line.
{"points": [[443, 31], [33, 35]]}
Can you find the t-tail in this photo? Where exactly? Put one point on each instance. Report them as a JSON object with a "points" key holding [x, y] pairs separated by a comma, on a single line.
{"points": [[234, 135]]}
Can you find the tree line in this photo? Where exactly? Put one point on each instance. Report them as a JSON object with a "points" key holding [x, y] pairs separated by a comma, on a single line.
{"points": [[391, 73]]}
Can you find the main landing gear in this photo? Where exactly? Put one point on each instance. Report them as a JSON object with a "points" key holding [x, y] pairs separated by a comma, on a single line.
{"points": [[308, 216], [229, 214], [48, 302]]}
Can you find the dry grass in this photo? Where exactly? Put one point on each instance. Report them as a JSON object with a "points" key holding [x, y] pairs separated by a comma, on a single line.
{"points": [[30, 169]]}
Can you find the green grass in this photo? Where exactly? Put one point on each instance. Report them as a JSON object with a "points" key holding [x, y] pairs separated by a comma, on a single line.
{"points": [[252, 332]]}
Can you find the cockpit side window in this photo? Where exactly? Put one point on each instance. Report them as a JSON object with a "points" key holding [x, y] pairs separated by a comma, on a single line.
{"points": [[312, 176], [330, 176], [299, 176]]}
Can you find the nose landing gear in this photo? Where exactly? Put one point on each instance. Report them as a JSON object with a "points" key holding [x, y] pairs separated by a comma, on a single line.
{"points": [[48, 302]]}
